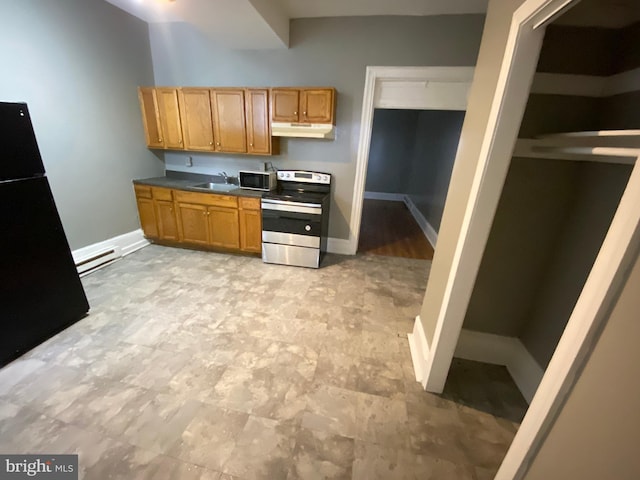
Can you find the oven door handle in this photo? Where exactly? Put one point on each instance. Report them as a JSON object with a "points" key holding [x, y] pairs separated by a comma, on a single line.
{"points": [[285, 206]]}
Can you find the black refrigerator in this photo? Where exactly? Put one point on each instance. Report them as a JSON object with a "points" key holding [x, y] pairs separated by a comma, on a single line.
{"points": [[40, 290]]}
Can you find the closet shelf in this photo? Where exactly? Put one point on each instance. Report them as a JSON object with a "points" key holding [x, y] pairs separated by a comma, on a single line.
{"points": [[542, 148], [607, 146], [593, 134]]}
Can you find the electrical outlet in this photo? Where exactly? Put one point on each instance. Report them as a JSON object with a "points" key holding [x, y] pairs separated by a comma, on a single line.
{"points": [[189, 162]]}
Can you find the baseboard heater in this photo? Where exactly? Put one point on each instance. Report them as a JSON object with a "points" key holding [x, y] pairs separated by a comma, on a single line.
{"points": [[98, 260]]}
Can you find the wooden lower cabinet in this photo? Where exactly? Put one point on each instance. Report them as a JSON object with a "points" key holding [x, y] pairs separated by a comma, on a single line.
{"points": [[200, 219], [146, 210], [167, 223], [192, 223], [250, 225], [223, 227]]}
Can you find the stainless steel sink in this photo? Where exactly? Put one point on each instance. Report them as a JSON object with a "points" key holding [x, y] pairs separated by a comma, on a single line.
{"points": [[216, 187]]}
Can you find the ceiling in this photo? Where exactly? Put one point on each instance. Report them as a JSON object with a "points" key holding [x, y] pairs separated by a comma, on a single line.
{"points": [[265, 23]]}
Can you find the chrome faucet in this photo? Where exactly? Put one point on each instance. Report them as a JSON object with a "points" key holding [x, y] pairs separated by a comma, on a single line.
{"points": [[225, 176]]}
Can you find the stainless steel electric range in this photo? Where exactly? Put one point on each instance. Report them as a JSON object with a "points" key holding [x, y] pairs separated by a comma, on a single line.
{"points": [[295, 219]]}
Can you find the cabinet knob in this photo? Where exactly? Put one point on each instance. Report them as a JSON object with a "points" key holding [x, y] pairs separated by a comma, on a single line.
{"points": [[159, 139], [304, 113], [251, 144], [210, 143], [218, 143], [295, 113]]}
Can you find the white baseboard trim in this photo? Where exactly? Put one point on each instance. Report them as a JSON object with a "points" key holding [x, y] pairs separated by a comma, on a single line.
{"points": [[429, 232], [419, 347], [92, 257], [502, 350], [339, 246], [394, 197]]}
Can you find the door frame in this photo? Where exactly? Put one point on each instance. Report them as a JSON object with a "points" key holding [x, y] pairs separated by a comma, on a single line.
{"points": [[410, 83], [604, 283]]}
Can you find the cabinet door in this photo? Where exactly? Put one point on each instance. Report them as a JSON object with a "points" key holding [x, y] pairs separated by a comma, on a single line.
{"points": [[229, 121], [167, 224], [251, 231], [258, 125], [224, 227], [150, 117], [147, 217], [195, 113], [192, 223], [316, 105], [169, 109], [284, 104]]}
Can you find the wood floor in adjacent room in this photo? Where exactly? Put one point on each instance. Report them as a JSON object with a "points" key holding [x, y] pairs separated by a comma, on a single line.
{"points": [[389, 229]]}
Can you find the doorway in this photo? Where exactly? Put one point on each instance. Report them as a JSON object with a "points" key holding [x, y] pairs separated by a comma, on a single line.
{"points": [[402, 88], [410, 161]]}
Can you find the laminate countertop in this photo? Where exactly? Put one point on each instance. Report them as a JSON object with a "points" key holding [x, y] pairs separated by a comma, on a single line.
{"points": [[189, 185]]}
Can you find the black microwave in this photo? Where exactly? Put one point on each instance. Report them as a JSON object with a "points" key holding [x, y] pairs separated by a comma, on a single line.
{"points": [[257, 180]]}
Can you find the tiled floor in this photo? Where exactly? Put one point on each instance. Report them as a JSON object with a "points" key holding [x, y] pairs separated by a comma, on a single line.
{"points": [[198, 365]]}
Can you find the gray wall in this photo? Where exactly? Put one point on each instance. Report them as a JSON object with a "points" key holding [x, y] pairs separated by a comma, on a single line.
{"points": [[323, 51], [77, 64], [393, 135], [412, 153], [437, 137], [599, 191], [595, 435], [535, 203]]}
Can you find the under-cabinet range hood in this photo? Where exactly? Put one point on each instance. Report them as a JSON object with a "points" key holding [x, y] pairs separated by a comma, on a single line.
{"points": [[303, 130]]}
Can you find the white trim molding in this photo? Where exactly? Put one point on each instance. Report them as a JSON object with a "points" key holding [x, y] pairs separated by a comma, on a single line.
{"points": [[382, 85], [502, 350], [419, 347], [339, 246], [428, 230], [393, 197], [92, 257]]}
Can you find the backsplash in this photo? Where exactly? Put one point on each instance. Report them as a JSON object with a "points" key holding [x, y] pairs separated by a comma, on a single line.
{"points": [[212, 165]]}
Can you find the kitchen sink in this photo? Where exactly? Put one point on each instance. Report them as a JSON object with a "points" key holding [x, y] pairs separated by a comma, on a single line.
{"points": [[216, 187]]}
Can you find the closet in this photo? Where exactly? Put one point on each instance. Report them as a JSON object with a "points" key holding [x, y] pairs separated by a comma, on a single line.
{"points": [[579, 139]]}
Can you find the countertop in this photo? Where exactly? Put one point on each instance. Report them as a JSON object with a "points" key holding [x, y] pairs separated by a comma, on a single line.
{"points": [[188, 184]]}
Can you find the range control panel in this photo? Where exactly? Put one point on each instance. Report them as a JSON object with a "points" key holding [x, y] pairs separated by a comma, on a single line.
{"points": [[304, 176]]}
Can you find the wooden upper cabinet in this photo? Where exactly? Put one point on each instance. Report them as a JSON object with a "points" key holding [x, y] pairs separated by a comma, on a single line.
{"points": [[150, 117], [169, 109], [229, 120], [195, 113], [316, 105], [306, 105], [284, 104], [258, 125]]}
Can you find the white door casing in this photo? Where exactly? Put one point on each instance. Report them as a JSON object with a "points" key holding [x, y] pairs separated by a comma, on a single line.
{"points": [[410, 88]]}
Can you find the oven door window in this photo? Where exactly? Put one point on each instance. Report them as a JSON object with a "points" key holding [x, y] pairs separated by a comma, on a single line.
{"points": [[291, 222]]}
